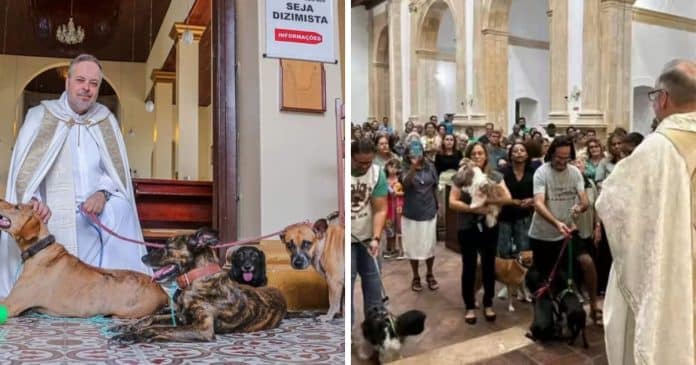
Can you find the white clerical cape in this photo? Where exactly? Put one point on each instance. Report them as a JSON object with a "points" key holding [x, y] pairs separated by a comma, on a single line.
{"points": [[52, 155], [647, 206]]}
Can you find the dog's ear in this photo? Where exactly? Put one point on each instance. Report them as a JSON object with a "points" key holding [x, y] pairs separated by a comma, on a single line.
{"points": [[282, 236], [320, 227], [30, 229], [204, 237], [410, 323]]}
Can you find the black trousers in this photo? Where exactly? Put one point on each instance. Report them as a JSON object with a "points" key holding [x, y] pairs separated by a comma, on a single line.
{"points": [[472, 243], [603, 262]]}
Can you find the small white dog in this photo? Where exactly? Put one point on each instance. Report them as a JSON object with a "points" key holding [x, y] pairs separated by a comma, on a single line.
{"points": [[482, 189]]}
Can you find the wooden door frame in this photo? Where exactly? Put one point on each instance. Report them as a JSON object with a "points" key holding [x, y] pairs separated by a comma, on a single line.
{"points": [[225, 187]]}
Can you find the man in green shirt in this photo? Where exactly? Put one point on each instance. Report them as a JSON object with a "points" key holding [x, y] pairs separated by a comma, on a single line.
{"points": [[368, 213]]}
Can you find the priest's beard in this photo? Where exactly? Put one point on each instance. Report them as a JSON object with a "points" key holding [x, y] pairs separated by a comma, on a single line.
{"points": [[79, 105]]}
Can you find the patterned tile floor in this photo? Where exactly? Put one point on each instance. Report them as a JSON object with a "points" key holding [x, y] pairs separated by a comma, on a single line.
{"points": [[37, 339]]}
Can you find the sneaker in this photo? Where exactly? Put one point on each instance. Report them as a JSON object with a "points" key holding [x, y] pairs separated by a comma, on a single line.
{"points": [[390, 254]]}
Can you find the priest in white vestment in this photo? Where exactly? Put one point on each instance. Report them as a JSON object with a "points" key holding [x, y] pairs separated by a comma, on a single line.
{"points": [[70, 152], [648, 205]]}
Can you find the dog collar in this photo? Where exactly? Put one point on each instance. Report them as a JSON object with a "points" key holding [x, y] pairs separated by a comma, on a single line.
{"points": [[187, 278], [37, 247]]}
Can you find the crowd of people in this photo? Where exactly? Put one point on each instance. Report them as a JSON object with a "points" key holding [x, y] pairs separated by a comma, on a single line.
{"points": [[416, 164]]}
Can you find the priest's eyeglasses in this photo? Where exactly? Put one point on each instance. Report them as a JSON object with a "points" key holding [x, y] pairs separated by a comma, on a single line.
{"points": [[652, 96]]}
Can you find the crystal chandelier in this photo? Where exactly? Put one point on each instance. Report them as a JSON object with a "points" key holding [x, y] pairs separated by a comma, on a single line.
{"points": [[68, 33]]}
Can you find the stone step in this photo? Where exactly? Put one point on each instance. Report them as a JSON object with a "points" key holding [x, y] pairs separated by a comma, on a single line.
{"points": [[473, 350]]}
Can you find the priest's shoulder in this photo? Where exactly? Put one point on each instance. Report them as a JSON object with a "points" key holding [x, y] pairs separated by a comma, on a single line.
{"points": [[34, 115]]}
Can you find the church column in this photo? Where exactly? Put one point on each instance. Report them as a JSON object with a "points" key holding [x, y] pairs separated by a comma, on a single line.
{"points": [[616, 17], [164, 123], [396, 116], [495, 76], [187, 38], [459, 16], [591, 95], [558, 61]]}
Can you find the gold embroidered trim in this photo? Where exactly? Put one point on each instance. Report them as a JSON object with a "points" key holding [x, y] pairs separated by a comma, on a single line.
{"points": [[37, 152], [112, 147]]}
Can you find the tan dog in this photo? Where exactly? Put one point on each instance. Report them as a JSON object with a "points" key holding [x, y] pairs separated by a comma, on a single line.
{"points": [[482, 189], [321, 246], [58, 283], [510, 272]]}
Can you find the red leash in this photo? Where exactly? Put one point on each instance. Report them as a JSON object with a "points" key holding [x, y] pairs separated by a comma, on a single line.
{"points": [[94, 219], [547, 285]]}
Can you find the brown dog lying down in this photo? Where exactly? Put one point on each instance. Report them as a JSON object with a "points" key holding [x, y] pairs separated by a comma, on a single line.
{"points": [[482, 189], [57, 283], [209, 301], [510, 272]]}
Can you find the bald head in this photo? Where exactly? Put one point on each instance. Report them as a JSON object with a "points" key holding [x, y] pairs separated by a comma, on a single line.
{"points": [[678, 77]]}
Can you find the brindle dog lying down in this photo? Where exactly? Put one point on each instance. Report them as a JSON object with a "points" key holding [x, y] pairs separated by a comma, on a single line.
{"points": [[208, 302]]}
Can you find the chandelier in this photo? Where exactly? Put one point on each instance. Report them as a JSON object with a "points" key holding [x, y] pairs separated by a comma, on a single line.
{"points": [[68, 33]]}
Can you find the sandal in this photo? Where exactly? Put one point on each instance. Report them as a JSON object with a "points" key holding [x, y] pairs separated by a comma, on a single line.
{"points": [[489, 317], [597, 316], [470, 317], [432, 283], [416, 285]]}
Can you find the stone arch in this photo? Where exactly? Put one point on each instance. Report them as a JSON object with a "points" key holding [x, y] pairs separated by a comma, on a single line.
{"points": [[432, 69]]}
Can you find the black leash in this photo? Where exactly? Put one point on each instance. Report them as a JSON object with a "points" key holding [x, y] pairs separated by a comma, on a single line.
{"points": [[385, 297]]}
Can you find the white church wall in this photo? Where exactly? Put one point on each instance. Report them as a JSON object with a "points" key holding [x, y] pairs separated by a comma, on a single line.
{"points": [[360, 64], [528, 19], [446, 41], [528, 77], [272, 193], [684, 8], [437, 87], [652, 47], [642, 110]]}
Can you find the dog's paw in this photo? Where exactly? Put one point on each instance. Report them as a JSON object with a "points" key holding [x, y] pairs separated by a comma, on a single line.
{"points": [[124, 339], [511, 308], [125, 327]]}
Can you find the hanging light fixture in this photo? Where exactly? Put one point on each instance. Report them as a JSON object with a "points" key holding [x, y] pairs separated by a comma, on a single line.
{"points": [[68, 33]]}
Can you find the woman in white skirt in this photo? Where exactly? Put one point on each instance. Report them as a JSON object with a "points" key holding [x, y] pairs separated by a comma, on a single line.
{"points": [[419, 215]]}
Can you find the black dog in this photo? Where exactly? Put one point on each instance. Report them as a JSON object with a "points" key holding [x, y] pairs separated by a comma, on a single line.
{"points": [[570, 305], [248, 266], [386, 333], [544, 327]]}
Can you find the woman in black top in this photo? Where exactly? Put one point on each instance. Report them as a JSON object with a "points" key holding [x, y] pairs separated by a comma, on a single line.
{"points": [[514, 221], [449, 156]]}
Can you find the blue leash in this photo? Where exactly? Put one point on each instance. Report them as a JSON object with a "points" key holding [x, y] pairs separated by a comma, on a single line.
{"points": [[171, 290], [99, 232]]}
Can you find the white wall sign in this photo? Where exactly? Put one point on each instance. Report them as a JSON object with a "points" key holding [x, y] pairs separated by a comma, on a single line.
{"points": [[300, 29]]}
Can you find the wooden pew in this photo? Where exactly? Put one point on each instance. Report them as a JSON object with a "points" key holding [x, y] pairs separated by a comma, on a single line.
{"points": [[172, 207]]}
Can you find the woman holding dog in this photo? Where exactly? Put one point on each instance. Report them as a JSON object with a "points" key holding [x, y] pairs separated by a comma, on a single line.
{"points": [[419, 215], [475, 237]]}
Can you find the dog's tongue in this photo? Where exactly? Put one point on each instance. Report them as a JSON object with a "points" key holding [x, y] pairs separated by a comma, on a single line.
{"points": [[162, 271], [248, 276]]}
